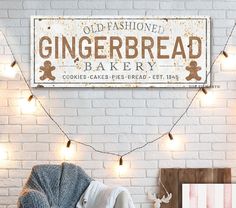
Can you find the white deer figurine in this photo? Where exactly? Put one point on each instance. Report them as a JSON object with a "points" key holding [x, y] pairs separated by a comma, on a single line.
{"points": [[158, 201]]}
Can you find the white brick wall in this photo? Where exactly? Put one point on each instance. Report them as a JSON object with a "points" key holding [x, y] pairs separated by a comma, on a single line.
{"points": [[115, 119]]}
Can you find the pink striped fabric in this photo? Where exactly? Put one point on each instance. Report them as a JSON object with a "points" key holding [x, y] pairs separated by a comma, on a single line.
{"points": [[209, 196]]}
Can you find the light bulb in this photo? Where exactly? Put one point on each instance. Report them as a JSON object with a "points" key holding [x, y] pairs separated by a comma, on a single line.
{"points": [[67, 153], [173, 144], [121, 168], [208, 99], [228, 64], [28, 105], [3, 154], [9, 71]]}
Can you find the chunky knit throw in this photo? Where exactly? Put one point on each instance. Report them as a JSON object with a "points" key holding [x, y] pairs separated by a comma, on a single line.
{"points": [[54, 186]]}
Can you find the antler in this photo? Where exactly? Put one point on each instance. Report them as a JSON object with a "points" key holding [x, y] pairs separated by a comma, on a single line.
{"points": [[166, 199], [152, 196]]}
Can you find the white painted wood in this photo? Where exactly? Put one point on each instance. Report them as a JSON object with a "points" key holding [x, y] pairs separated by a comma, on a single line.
{"points": [[179, 55]]}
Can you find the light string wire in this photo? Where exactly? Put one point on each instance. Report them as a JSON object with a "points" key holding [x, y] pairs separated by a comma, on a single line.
{"points": [[134, 149]]}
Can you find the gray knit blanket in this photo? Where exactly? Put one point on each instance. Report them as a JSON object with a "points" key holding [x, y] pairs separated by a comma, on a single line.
{"points": [[54, 186]]}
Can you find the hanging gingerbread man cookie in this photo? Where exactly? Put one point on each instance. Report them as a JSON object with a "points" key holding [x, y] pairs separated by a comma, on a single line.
{"points": [[47, 69], [193, 68]]}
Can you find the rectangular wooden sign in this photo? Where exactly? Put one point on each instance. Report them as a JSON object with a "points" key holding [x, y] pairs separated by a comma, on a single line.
{"points": [[120, 51]]}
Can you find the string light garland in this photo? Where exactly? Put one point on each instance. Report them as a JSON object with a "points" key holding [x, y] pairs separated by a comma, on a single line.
{"points": [[121, 156]]}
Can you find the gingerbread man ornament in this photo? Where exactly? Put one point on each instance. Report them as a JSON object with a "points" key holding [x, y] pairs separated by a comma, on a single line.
{"points": [[193, 68], [47, 69]]}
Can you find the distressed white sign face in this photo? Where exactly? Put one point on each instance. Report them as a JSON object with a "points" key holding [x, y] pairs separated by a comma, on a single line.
{"points": [[208, 195], [120, 51]]}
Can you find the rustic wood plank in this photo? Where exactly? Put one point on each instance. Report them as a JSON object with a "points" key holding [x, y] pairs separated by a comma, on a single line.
{"points": [[204, 175], [222, 175], [169, 178]]}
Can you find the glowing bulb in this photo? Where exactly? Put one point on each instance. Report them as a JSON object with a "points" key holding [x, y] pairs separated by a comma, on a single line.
{"points": [[9, 71], [229, 63], [67, 152], [3, 154], [121, 168], [28, 105], [208, 99], [173, 144]]}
